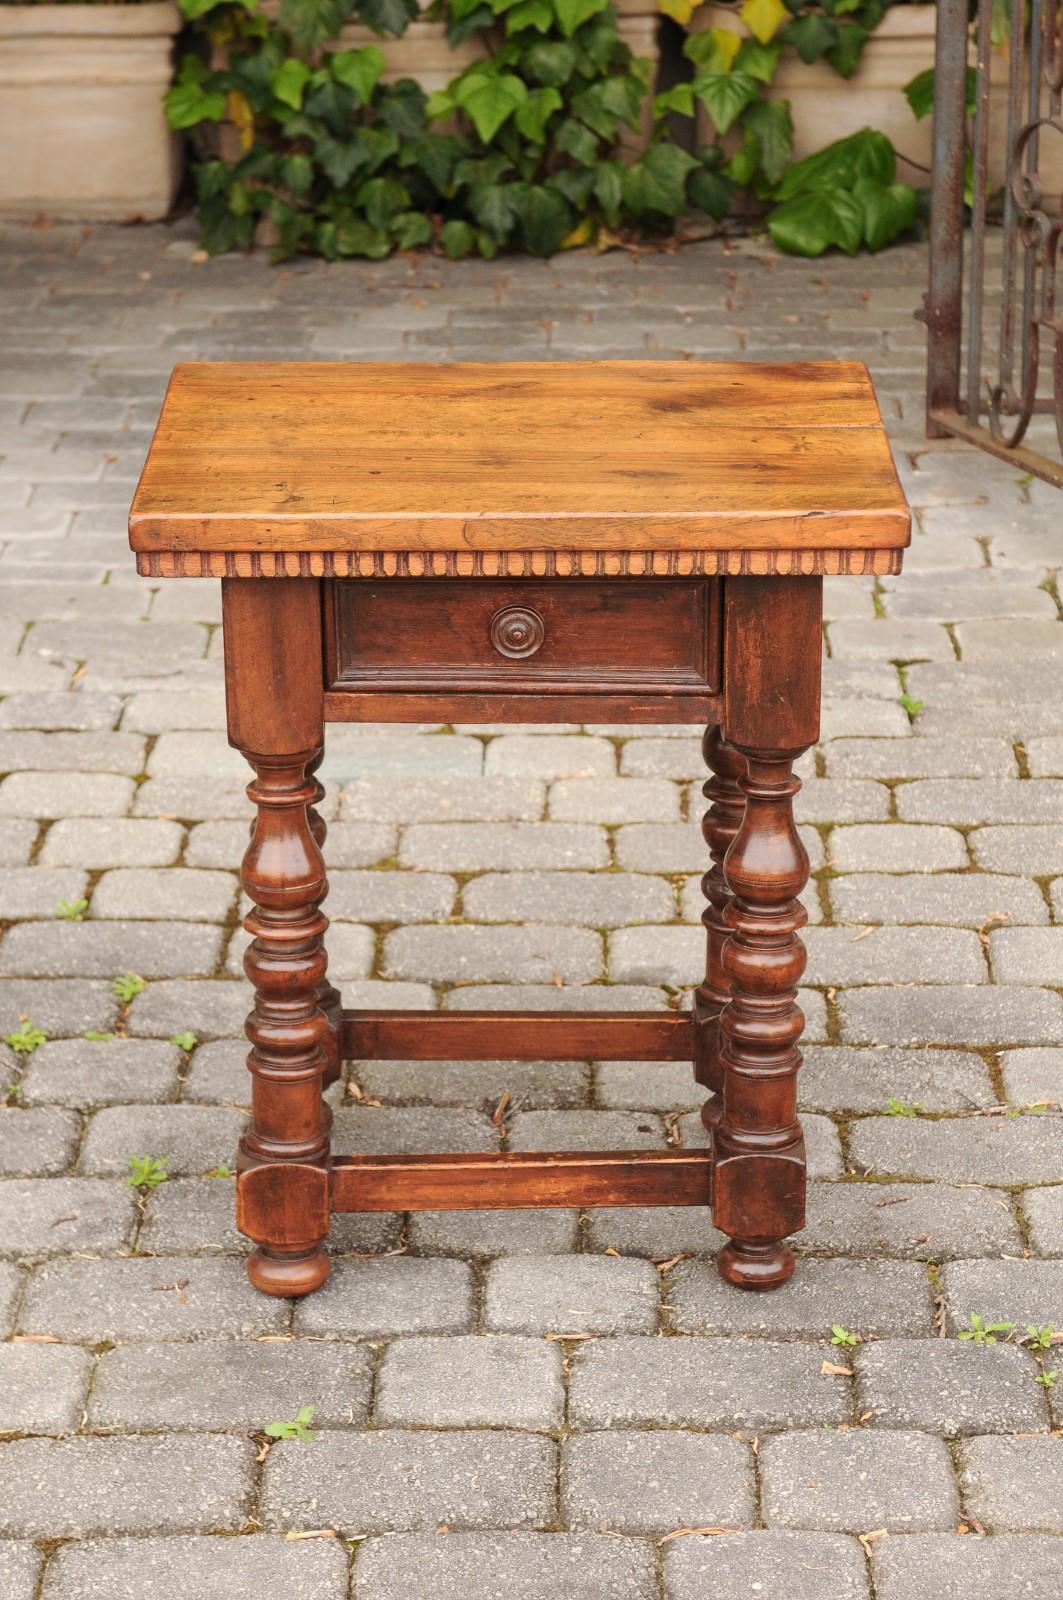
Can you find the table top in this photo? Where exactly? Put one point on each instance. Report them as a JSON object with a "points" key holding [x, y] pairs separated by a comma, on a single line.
{"points": [[377, 468]]}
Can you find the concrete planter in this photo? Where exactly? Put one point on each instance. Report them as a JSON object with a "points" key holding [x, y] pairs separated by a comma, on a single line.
{"points": [[826, 107], [81, 120]]}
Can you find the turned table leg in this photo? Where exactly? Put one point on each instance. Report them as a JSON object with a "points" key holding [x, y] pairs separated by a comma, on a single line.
{"points": [[328, 996], [719, 826], [274, 699], [771, 696]]}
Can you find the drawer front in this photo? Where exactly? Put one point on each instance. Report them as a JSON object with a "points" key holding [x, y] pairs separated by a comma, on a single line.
{"points": [[513, 635]]}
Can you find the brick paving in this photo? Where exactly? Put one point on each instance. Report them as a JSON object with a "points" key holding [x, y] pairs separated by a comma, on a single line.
{"points": [[465, 1444]]}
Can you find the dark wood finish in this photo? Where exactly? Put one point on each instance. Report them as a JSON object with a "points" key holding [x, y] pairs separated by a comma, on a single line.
{"points": [[597, 542], [772, 654], [517, 1036], [586, 456], [273, 693], [490, 1179], [562, 637], [719, 826]]}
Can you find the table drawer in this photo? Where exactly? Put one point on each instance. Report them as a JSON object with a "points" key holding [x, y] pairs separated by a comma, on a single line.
{"points": [[562, 636]]}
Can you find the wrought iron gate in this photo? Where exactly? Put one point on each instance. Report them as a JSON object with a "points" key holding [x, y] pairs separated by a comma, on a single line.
{"points": [[995, 374]]}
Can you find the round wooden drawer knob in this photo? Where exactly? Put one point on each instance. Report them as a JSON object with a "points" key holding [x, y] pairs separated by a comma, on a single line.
{"points": [[517, 631]]}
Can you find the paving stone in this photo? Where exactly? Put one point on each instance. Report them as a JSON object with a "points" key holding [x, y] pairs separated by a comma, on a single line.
{"points": [[11, 1281], [646, 1085], [480, 1084], [930, 1221], [32, 751], [58, 1488], [123, 648], [981, 800], [61, 709], [195, 800], [192, 1139], [856, 1481], [82, 1073], [37, 891], [390, 896], [823, 1151], [1014, 1291], [590, 899], [1045, 757], [665, 955], [614, 800], [480, 846], [839, 1079], [663, 758], [209, 1009], [548, 997], [490, 1233], [42, 1388], [177, 755], [894, 956], [475, 1381], [982, 592], [893, 847], [1027, 955], [983, 1015], [395, 1295], [867, 1297], [229, 1385], [892, 639], [643, 1483], [987, 641], [506, 954], [1029, 851], [945, 1386], [923, 758], [1044, 1214], [1014, 1485], [141, 1299], [62, 1215], [40, 1141], [218, 1073], [804, 1566], [550, 756], [114, 842], [658, 1232], [89, 1569], [684, 1382], [17, 837], [841, 800], [100, 949], [180, 894], [859, 717], [443, 800], [979, 1150], [411, 1130], [20, 1566], [396, 753], [966, 899], [521, 1566], [575, 1294], [160, 710], [950, 1568], [409, 1481], [65, 794], [586, 1130]]}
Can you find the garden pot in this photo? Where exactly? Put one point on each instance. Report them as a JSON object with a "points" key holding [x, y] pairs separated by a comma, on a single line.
{"points": [[81, 120]]}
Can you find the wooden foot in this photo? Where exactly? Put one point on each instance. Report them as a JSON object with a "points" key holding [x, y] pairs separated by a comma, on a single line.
{"points": [[288, 1276], [748, 1264], [719, 827]]}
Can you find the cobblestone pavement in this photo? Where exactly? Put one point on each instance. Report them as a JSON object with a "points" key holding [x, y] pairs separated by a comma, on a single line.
{"points": [[465, 1448]]}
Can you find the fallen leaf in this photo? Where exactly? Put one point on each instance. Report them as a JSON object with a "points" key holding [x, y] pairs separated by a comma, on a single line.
{"points": [[682, 1533], [673, 1261], [868, 1539], [36, 1338], [831, 1369], [863, 934], [498, 1115], [314, 1533]]}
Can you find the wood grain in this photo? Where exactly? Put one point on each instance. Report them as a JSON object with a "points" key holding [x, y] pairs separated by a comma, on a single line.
{"points": [[516, 1036], [597, 456]]}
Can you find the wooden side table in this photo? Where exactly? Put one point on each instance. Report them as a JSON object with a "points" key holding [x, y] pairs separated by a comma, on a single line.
{"points": [[584, 542]]}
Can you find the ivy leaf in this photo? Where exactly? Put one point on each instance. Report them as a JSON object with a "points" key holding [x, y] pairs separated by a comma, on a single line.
{"points": [[334, 103], [544, 217], [866, 154], [744, 164], [814, 221], [711, 192], [435, 157], [811, 35], [360, 70], [489, 99], [410, 229], [679, 98], [759, 60], [845, 56], [534, 113], [763, 18], [609, 188], [552, 62], [771, 122], [457, 238], [296, 173], [574, 140], [339, 160], [575, 183], [680, 11], [386, 16], [289, 81], [460, 28], [658, 181], [919, 93], [402, 108], [713, 49], [492, 206], [725, 95], [189, 101], [571, 13], [537, 14], [382, 199], [888, 208], [354, 237], [311, 22]]}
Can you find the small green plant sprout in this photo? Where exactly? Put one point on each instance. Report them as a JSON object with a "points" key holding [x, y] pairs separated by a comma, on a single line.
{"points": [[147, 1172], [127, 986], [910, 704], [1047, 1380], [1040, 1338], [984, 1332], [72, 910], [842, 1336], [11, 1093], [902, 1108], [98, 1035], [26, 1038], [185, 1041], [299, 1429], [219, 1172]]}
